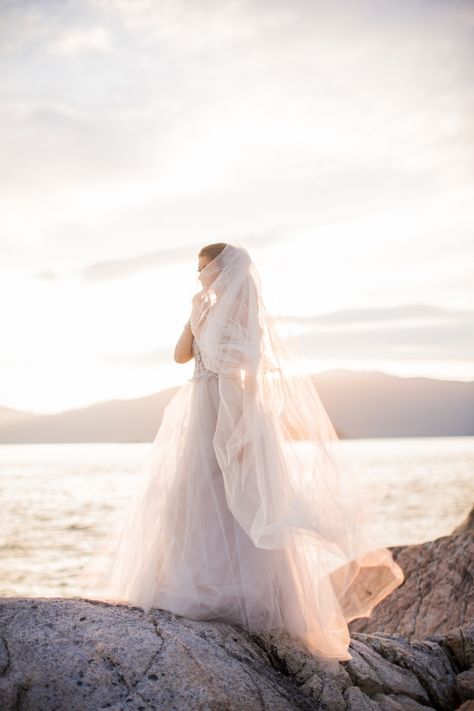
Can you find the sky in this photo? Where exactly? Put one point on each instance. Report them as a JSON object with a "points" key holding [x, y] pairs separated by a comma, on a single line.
{"points": [[333, 140]]}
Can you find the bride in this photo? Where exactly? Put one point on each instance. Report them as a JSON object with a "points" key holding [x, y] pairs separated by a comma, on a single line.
{"points": [[232, 521]]}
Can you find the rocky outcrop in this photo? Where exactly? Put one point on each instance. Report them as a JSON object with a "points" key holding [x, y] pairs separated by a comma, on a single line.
{"points": [[74, 655], [437, 594]]}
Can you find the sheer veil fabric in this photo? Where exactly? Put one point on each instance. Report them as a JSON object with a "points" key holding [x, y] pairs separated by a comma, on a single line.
{"points": [[232, 521]]}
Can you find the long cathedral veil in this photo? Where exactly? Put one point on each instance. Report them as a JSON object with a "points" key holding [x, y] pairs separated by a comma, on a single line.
{"points": [[313, 509]]}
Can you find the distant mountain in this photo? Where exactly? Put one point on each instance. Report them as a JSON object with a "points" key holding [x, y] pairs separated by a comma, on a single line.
{"points": [[9, 415], [374, 404], [134, 420], [360, 404]]}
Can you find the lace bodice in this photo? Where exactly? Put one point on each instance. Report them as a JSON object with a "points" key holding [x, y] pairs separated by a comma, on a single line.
{"points": [[200, 370]]}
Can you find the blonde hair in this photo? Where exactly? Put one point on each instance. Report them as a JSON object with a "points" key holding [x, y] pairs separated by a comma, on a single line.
{"points": [[212, 250]]}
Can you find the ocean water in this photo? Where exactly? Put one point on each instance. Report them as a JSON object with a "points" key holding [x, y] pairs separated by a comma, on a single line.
{"points": [[58, 500]]}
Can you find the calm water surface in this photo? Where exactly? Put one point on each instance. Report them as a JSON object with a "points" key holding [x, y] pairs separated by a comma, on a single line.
{"points": [[58, 500]]}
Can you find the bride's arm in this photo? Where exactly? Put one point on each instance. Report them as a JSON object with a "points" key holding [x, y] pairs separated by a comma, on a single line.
{"points": [[183, 350]]}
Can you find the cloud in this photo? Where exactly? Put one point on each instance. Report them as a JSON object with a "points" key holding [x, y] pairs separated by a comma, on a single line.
{"points": [[124, 267], [81, 40], [406, 333], [63, 145], [48, 275], [406, 313], [177, 92], [117, 268]]}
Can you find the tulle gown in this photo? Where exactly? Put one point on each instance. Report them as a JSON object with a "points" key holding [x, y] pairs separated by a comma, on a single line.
{"points": [[214, 569], [178, 547]]}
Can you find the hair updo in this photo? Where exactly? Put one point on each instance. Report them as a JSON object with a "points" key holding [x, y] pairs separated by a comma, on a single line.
{"points": [[212, 250]]}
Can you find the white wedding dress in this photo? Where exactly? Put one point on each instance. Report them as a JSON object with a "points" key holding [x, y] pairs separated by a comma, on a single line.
{"points": [[231, 523], [178, 547], [214, 569]]}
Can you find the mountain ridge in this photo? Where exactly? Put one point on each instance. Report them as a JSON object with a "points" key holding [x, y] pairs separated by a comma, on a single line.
{"points": [[359, 403]]}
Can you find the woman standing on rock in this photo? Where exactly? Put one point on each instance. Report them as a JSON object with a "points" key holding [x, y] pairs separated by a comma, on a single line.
{"points": [[233, 523]]}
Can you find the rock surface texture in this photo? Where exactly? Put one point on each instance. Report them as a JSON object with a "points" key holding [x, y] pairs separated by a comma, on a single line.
{"points": [[416, 652], [437, 593]]}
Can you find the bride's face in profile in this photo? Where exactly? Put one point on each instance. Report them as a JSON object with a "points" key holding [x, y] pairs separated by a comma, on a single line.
{"points": [[205, 279]]}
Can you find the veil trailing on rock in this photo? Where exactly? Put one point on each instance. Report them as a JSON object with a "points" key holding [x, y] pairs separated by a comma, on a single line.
{"points": [[310, 507]]}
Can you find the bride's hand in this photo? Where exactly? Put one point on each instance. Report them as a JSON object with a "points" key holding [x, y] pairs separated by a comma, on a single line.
{"points": [[197, 308], [197, 299]]}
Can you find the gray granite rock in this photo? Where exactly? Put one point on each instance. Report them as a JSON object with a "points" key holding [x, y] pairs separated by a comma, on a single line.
{"points": [[70, 654], [437, 594], [76, 655]]}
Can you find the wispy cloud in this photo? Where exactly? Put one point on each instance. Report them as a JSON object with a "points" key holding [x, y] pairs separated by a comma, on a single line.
{"points": [[408, 332], [117, 268], [406, 313], [120, 268], [48, 275], [83, 40], [380, 90]]}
